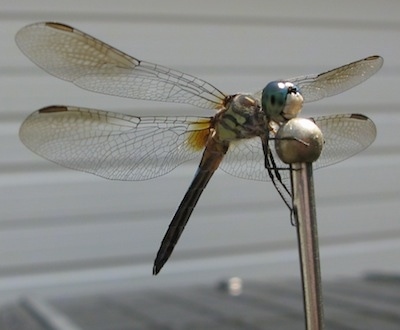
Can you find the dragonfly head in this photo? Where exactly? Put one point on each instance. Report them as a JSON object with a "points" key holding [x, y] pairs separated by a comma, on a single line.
{"points": [[281, 101]]}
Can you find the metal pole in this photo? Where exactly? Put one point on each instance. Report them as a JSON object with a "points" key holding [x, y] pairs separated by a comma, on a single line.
{"points": [[307, 236], [299, 143]]}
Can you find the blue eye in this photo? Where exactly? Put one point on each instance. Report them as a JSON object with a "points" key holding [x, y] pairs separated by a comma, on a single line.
{"points": [[274, 98]]}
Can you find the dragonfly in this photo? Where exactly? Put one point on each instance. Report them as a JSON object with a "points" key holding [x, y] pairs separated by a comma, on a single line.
{"points": [[238, 138]]}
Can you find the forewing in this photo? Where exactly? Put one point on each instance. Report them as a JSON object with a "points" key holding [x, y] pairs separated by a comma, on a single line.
{"points": [[72, 55], [317, 86], [112, 145]]}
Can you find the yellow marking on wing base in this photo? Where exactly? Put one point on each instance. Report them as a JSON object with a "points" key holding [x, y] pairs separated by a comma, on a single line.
{"points": [[199, 132]]}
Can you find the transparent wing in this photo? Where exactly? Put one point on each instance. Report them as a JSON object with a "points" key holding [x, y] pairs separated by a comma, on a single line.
{"points": [[111, 145], [72, 55], [345, 136], [318, 86], [336, 81], [245, 159]]}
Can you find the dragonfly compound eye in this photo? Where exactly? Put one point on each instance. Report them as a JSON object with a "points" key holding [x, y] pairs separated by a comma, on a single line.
{"points": [[281, 100]]}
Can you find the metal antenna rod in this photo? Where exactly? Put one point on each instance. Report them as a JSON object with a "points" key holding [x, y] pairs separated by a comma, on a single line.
{"points": [[299, 143], [307, 236]]}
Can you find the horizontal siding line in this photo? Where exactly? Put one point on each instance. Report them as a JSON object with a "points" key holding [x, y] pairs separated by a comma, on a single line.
{"points": [[74, 265], [182, 255], [133, 216], [190, 19], [149, 215]]}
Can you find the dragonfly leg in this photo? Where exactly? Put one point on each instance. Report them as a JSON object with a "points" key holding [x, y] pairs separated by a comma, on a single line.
{"points": [[276, 179], [275, 176]]}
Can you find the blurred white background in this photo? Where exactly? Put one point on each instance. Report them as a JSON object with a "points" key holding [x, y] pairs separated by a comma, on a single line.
{"points": [[65, 229]]}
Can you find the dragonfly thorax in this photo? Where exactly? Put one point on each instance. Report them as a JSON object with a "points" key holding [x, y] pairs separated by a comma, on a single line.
{"points": [[281, 101], [241, 119]]}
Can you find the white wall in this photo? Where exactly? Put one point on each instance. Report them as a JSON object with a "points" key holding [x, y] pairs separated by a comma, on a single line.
{"points": [[61, 227]]}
